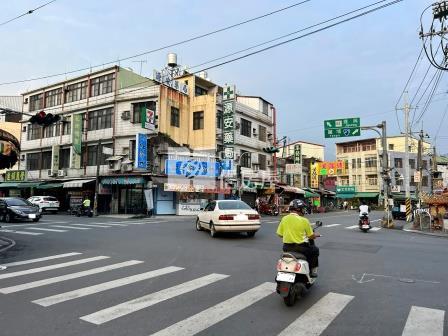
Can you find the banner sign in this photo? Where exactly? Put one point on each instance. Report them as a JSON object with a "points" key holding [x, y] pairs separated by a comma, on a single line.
{"points": [[170, 82], [194, 168], [195, 188], [298, 153], [330, 168], [15, 176], [314, 176], [77, 140], [148, 118], [346, 189], [141, 152], [228, 106], [293, 168], [54, 158]]}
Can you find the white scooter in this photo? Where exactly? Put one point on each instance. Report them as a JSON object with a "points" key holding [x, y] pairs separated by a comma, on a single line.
{"points": [[293, 275], [364, 222]]}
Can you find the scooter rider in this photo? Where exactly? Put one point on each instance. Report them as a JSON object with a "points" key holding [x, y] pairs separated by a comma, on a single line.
{"points": [[363, 209], [295, 231]]}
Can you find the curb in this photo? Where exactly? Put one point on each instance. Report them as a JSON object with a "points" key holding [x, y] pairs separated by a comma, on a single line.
{"points": [[11, 242], [426, 233]]}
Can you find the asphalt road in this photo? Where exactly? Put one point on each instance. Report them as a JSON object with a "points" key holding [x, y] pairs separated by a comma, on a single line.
{"points": [[146, 276]]}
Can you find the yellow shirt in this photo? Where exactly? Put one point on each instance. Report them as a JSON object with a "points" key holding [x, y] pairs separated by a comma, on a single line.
{"points": [[294, 229], [86, 203]]}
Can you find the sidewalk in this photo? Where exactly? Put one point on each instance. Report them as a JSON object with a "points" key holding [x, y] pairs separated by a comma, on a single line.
{"points": [[408, 227]]}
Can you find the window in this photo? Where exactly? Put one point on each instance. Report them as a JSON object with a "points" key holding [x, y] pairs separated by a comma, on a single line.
{"points": [[246, 127], [354, 179], [425, 164], [34, 132], [412, 163], [219, 121], [64, 158], [198, 91], [372, 180], [53, 97], [139, 108], [369, 147], [265, 108], [425, 181], [32, 161], [49, 131], [262, 161], [245, 159], [175, 117], [102, 85], [398, 163], [358, 160], [371, 162], [75, 92], [132, 149], [100, 119], [391, 147], [262, 133], [67, 126], [198, 120], [412, 183], [353, 163], [92, 152], [345, 181], [46, 160], [37, 102]]}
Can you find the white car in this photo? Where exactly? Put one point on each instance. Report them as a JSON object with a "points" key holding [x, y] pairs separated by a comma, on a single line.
{"points": [[228, 216], [45, 203]]}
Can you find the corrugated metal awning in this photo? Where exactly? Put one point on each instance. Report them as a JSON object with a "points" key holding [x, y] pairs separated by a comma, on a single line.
{"points": [[76, 183]]}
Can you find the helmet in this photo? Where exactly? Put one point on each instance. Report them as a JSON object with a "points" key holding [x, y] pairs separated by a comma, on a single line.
{"points": [[297, 205]]}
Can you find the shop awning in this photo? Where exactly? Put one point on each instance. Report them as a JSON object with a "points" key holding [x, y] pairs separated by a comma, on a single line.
{"points": [[122, 180], [114, 158], [9, 184], [20, 185], [76, 183], [294, 190], [345, 196], [309, 194], [401, 197], [366, 195], [50, 186]]}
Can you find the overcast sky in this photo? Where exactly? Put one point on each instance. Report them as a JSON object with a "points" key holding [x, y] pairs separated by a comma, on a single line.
{"points": [[356, 69]]}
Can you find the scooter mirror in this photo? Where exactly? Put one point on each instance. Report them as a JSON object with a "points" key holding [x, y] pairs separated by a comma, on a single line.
{"points": [[318, 224]]}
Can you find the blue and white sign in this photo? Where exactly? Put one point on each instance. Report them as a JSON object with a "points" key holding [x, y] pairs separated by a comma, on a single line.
{"points": [[196, 168], [170, 82], [141, 151]]}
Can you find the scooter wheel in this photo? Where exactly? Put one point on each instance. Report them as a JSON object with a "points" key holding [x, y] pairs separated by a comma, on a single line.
{"points": [[290, 300]]}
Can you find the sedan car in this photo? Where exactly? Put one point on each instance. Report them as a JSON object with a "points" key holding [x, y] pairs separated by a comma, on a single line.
{"points": [[228, 216], [16, 208], [45, 203]]}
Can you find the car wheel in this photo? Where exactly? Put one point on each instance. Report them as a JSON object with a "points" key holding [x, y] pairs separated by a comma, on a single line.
{"points": [[8, 218], [250, 234], [198, 225], [212, 230], [36, 220]]}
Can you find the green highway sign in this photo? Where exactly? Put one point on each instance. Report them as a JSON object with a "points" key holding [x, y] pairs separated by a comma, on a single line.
{"points": [[338, 128]]}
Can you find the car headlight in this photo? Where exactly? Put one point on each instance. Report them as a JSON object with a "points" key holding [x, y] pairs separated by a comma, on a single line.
{"points": [[18, 212]]}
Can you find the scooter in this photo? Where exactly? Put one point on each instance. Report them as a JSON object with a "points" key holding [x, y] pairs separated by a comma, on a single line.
{"points": [[293, 275], [364, 222], [84, 212]]}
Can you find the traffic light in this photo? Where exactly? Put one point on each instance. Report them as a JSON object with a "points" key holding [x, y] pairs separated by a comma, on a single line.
{"points": [[271, 150], [44, 119]]}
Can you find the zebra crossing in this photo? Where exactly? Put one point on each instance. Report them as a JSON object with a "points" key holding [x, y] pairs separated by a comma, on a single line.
{"points": [[64, 227], [316, 320]]}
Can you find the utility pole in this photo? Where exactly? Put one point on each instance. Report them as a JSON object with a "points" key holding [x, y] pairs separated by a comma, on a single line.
{"points": [[407, 186], [420, 165], [99, 157], [385, 171]]}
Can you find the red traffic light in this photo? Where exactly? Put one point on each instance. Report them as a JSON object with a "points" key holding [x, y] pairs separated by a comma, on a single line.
{"points": [[41, 118], [41, 115]]}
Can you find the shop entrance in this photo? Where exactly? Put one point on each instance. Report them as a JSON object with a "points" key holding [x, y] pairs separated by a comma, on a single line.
{"points": [[132, 200]]}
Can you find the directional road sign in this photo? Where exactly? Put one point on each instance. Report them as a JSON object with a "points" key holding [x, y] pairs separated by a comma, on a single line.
{"points": [[340, 128]]}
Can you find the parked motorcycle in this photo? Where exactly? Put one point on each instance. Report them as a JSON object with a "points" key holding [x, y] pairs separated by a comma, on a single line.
{"points": [[81, 211], [364, 222], [294, 274], [268, 209]]}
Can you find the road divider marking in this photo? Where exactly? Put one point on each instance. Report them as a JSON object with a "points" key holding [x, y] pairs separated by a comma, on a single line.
{"points": [[45, 229], [51, 267], [375, 229], [44, 282], [31, 261], [352, 227], [317, 318], [71, 227], [146, 301], [78, 293], [21, 232], [424, 321], [92, 225], [331, 225], [219, 312]]}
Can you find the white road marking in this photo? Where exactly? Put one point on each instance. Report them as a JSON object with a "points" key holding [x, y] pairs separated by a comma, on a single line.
{"points": [[424, 321], [21, 232], [31, 261], [51, 267], [331, 225], [78, 293], [114, 224], [352, 227], [44, 282], [71, 227], [375, 229], [94, 226], [45, 229], [317, 318], [209, 317], [146, 301], [375, 220]]}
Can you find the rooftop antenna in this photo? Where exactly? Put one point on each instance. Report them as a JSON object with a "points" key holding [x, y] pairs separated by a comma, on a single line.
{"points": [[141, 65]]}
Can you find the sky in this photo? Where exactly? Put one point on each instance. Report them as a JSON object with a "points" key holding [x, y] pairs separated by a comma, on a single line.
{"points": [[357, 69]]}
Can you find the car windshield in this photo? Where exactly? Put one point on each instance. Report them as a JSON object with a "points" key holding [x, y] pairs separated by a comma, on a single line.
{"points": [[17, 202], [233, 205], [51, 199]]}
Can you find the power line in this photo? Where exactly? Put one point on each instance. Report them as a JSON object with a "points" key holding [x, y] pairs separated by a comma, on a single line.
{"points": [[440, 124], [252, 53], [160, 48], [31, 11], [419, 57], [431, 95]]}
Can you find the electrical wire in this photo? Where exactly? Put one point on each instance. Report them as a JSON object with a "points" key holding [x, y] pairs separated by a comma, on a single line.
{"points": [[440, 124], [431, 95], [249, 54], [417, 62], [31, 11], [197, 37]]}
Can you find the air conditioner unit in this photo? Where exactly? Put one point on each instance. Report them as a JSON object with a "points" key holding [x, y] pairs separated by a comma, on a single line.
{"points": [[50, 173], [127, 167], [219, 136], [114, 165], [126, 115], [24, 129], [25, 101], [62, 173]]}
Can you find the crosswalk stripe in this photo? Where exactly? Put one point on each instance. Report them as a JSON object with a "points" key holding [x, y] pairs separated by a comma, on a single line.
{"points": [[424, 321], [375, 229], [331, 225], [91, 225], [317, 318], [51, 267], [146, 301], [77, 293], [219, 312], [71, 227], [32, 261], [21, 232], [44, 229], [115, 224], [39, 283], [352, 227]]}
